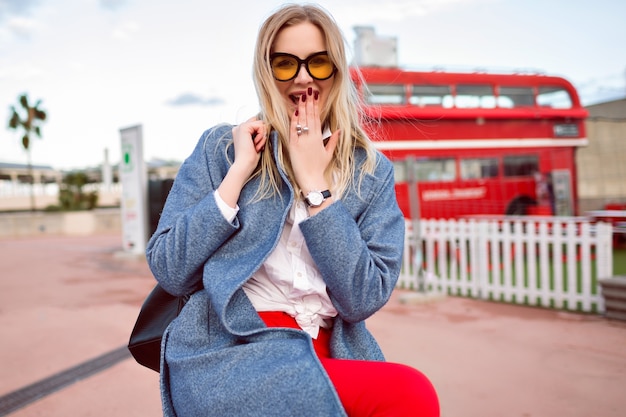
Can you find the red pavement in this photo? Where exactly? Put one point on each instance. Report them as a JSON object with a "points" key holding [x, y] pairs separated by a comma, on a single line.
{"points": [[65, 300]]}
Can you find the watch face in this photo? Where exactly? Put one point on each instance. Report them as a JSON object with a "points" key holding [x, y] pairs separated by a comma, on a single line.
{"points": [[315, 198]]}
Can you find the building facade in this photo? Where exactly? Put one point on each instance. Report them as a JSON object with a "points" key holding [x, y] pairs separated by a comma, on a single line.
{"points": [[602, 164]]}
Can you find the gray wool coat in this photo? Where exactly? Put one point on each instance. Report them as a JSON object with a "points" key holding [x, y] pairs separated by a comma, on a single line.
{"points": [[218, 357]]}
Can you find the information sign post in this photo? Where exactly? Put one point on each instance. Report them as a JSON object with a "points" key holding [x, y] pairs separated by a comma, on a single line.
{"points": [[134, 191]]}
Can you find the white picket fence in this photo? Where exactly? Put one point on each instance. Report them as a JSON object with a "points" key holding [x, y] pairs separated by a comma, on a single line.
{"points": [[539, 261]]}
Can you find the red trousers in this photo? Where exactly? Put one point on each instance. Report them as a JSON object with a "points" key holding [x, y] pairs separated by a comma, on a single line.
{"points": [[370, 388]]}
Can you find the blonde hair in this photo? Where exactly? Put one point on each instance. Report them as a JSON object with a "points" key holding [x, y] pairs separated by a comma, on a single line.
{"points": [[342, 110]]}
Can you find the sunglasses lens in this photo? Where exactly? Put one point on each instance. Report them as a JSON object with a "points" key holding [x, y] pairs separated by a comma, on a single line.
{"points": [[320, 67], [284, 67]]}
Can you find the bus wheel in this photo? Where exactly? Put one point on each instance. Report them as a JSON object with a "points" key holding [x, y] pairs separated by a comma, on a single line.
{"points": [[519, 206]]}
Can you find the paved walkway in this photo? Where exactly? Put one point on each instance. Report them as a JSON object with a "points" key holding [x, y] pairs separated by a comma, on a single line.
{"points": [[66, 300]]}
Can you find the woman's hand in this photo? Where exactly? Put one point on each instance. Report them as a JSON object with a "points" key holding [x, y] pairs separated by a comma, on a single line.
{"points": [[309, 156], [249, 141]]}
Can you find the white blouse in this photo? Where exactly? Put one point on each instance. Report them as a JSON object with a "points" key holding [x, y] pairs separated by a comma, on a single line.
{"points": [[289, 280]]}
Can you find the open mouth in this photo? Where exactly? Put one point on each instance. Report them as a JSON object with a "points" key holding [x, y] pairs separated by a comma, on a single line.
{"points": [[295, 98]]}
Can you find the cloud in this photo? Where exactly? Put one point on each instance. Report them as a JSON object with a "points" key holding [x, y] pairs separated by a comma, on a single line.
{"points": [[190, 99], [111, 4], [399, 10], [125, 30], [23, 72], [9, 8], [16, 15], [21, 26], [602, 88]]}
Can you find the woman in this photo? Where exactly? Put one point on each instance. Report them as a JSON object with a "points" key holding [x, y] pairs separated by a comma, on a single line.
{"points": [[290, 223]]}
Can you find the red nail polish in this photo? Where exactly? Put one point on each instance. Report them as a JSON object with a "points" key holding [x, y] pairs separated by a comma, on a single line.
{"points": [[296, 112], [303, 98], [316, 95], [310, 91]]}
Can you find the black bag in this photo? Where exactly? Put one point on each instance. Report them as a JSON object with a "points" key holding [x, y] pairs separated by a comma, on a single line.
{"points": [[156, 313]]}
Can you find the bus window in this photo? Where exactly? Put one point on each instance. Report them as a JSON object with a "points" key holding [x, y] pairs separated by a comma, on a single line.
{"points": [[510, 97], [555, 97], [475, 96], [475, 168], [435, 169], [399, 171], [521, 165], [385, 94], [431, 95]]}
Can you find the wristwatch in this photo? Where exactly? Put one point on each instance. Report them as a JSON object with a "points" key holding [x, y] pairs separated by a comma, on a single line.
{"points": [[316, 198]]}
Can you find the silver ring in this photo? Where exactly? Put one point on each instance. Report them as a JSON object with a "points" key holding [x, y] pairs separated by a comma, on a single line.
{"points": [[305, 129], [299, 129]]}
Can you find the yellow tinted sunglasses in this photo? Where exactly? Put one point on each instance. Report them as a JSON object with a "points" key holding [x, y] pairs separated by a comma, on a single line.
{"points": [[285, 67]]}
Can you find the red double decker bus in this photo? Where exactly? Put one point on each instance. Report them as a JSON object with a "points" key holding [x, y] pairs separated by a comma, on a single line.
{"points": [[476, 143]]}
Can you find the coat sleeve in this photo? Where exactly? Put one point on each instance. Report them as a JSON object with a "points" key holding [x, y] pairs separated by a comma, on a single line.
{"points": [[191, 226], [360, 255]]}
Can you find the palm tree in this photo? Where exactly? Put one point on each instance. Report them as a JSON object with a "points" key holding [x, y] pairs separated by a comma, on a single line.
{"points": [[29, 122]]}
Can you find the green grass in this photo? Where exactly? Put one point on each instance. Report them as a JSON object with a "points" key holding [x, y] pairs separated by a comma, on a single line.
{"points": [[619, 261], [619, 268]]}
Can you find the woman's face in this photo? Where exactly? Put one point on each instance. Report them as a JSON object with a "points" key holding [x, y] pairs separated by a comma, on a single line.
{"points": [[301, 40]]}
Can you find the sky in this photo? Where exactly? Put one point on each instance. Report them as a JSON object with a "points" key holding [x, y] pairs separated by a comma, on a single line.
{"points": [[179, 67]]}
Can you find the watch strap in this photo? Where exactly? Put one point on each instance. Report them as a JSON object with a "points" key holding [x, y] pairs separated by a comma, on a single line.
{"points": [[324, 195]]}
